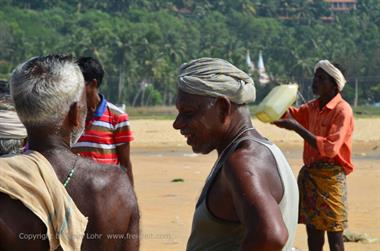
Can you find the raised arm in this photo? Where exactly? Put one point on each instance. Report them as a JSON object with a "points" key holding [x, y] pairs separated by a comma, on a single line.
{"points": [[327, 146]]}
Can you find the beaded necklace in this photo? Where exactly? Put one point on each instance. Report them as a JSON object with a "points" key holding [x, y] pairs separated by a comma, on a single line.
{"points": [[71, 173]]}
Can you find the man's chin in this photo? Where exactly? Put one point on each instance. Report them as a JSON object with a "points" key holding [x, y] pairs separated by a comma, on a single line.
{"points": [[199, 150]]}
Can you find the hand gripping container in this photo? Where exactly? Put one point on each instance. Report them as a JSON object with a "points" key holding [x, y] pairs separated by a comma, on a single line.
{"points": [[276, 103]]}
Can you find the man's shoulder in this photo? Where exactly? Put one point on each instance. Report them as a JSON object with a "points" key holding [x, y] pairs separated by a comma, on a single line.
{"points": [[101, 178], [344, 107], [105, 193], [115, 111], [253, 168], [251, 154]]}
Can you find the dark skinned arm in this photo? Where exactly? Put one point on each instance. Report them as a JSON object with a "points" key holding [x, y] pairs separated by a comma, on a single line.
{"points": [[132, 242], [132, 236], [255, 205], [291, 124], [124, 212], [123, 154]]}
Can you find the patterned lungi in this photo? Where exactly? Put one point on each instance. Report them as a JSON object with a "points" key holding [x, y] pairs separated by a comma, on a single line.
{"points": [[323, 197]]}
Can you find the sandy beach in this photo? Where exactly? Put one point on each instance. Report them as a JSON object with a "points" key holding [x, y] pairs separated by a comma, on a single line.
{"points": [[160, 155]]}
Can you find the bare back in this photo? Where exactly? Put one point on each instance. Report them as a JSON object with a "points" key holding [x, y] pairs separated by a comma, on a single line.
{"points": [[102, 193]]}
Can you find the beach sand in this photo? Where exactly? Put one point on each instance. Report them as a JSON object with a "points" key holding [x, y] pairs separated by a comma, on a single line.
{"points": [[160, 155]]}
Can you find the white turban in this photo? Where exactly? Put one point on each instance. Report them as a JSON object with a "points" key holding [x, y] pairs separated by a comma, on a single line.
{"points": [[332, 71], [216, 77], [11, 126]]}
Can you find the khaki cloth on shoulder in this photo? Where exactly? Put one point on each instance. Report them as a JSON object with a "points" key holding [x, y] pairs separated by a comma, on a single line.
{"points": [[31, 179]]}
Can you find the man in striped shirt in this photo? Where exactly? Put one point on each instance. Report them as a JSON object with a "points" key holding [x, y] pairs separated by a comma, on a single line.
{"points": [[107, 134]]}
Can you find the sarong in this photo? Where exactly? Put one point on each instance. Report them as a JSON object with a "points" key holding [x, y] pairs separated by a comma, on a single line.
{"points": [[323, 197]]}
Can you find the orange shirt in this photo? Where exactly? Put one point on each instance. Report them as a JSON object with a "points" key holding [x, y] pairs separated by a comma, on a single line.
{"points": [[332, 126]]}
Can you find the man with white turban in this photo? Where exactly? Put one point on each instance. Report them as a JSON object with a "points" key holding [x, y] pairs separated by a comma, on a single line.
{"points": [[326, 124], [250, 199], [12, 131]]}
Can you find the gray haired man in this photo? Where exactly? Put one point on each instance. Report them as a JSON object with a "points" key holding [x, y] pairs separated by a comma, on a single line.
{"points": [[50, 198]]}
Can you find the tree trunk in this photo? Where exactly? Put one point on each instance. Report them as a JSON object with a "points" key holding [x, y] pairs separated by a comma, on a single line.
{"points": [[121, 82], [356, 93]]}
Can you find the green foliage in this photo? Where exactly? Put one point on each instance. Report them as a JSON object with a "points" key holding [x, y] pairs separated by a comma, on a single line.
{"points": [[367, 111], [141, 41], [153, 96], [375, 90]]}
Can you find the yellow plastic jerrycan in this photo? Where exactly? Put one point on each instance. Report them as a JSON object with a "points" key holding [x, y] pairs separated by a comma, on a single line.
{"points": [[276, 103]]}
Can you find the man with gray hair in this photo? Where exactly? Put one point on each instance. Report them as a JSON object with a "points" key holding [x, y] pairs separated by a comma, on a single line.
{"points": [[250, 199], [51, 198]]}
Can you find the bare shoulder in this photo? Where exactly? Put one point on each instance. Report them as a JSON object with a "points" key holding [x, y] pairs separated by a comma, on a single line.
{"points": [[253, 167], [105, 195], [103, 178], [108, 187], [251, 155]]}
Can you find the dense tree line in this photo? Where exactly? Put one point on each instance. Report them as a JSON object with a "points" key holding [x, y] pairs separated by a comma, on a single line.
{"points": [[141, 43]]}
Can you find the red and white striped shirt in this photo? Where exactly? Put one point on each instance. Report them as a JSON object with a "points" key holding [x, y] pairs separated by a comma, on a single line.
{"points": [[108, 129]]}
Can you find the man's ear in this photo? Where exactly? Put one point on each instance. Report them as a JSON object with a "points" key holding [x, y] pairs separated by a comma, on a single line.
{"points": [[223, 106], [74, 115], [94, 83]]}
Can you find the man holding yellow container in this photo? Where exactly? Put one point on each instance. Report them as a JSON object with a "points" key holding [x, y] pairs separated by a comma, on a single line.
{"points": [[326, 125]]}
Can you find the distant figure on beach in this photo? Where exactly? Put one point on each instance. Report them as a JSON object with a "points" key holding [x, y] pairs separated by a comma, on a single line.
{"points": [[250, 199], [326, 124], [52, 199], [107, 133]]}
